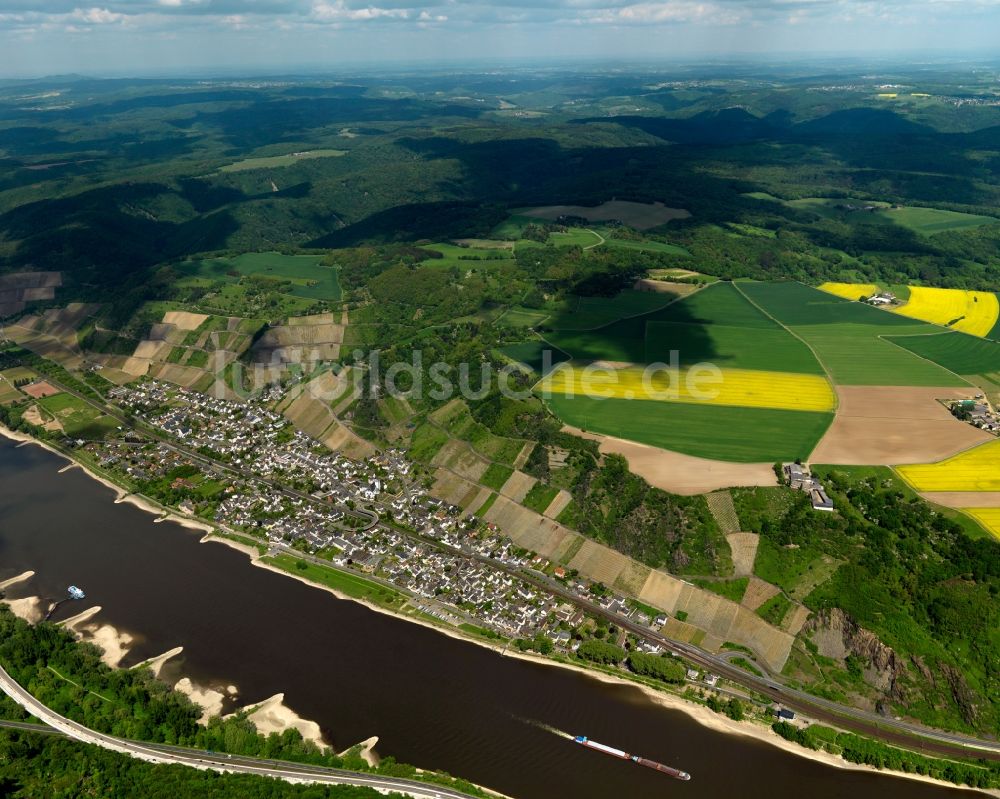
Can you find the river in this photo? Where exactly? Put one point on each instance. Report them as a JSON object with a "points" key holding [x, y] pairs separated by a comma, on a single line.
{"points": [[434, 701]]}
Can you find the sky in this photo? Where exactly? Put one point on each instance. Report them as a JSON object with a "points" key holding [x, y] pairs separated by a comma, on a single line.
{"points": [[140, 37]]}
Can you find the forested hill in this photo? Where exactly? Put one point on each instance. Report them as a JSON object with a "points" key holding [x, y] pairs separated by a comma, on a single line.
{"points": [[104, 180]]}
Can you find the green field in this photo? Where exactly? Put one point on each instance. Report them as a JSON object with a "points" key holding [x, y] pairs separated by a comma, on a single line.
{"points": [[641, 246], [277, 161], [309, 278], [540, 497], [847, 336], [925, 221], [78, 418], [496, 475], [523, 317], [959, 352], [928, 221], [694, 326], [532, 354], [352, 585], [466, 258], [590, 313], [733, 347], [512, 227], [239, 299], [9, 394], [742, 435]]}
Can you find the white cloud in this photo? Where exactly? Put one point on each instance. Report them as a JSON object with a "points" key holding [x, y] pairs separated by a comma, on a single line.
{"points": [[673, 11], [96, 16], [340, 11]]}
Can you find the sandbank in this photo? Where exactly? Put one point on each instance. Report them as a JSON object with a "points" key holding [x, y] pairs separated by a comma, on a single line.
{"points": [[273, 715]]}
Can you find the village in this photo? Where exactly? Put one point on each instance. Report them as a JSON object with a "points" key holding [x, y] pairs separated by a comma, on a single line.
{"points": [[263, 479]]}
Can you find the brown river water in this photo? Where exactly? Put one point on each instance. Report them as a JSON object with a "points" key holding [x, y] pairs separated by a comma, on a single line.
{"points": [[434, 701]]}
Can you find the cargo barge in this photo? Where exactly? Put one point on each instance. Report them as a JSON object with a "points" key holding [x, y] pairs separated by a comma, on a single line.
{"points": [[677, 774]]}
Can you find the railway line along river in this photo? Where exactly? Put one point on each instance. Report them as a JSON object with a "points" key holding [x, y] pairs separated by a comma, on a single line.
{"points": [[432, 700]]}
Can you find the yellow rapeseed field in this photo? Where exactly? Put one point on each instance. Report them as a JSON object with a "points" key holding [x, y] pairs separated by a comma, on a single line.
{"points": [[976, 469], [740, 387], [850, 291], [987, 517], [977, 311]]}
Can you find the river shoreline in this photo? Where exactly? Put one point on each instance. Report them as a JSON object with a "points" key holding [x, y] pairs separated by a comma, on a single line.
{"points": [[695, 711]]}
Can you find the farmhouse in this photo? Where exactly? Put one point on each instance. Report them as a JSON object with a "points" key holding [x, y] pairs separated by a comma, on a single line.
{"points": [[800, 479]]}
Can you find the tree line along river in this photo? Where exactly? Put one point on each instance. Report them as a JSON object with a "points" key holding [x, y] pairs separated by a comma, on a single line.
{"points": [[434, 701]]}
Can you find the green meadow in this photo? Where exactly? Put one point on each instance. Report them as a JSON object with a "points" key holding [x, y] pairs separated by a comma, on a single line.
{"points": [[928, 221], [277, 161], [743, 435], [77, 417], [308, 277], [925, 221]]}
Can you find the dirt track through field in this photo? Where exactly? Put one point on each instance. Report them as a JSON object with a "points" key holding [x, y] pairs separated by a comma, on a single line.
{"points": [[681, 474], [889, 425]]}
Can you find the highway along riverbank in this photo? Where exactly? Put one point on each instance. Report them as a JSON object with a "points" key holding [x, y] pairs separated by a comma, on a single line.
{"points": [[432, 700]]}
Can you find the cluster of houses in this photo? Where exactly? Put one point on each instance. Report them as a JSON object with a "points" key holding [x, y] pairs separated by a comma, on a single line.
{"points": [[978, 412], [450, 583], [801, 479]]}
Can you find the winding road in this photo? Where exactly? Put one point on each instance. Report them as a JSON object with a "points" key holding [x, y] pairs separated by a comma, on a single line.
{"points": [[213, 761]]}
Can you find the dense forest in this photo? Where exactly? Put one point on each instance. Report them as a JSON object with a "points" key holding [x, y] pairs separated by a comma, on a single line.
{"points": [[909, 574], [36, 766]]}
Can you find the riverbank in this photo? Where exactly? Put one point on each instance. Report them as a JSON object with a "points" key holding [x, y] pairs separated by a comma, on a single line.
{"points": [[694, 711], [121, 495], [720, 723]]}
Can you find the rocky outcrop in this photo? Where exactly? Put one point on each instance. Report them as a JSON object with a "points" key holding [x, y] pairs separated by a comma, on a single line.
{"points": [[838, 636], [964, 697]]}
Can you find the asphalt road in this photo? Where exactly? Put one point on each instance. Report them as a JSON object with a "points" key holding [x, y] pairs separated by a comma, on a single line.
{"points": [[212, 761]]}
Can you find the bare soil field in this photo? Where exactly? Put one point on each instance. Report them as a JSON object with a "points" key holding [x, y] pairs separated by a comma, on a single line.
{"points": [[185, 320], [794, 619], [599, 562], [136, 367], [964, 499], [453, 489], [633, 578], [718, 616], [558, 505], [304, 339], [665, 287], [528, 529], [517, 486], [744, 549], [152, 349], [461, 459], [34, 416], [185, 376], [314, 319], [681, 474], [890, 425], [641, 216], [757, 593], [40, 389]]}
